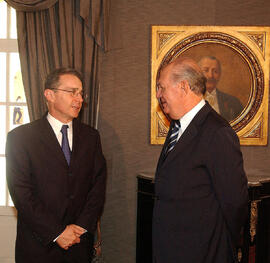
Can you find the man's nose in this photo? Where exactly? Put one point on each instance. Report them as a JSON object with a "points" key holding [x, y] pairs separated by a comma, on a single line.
{"points": [[211, 74]]}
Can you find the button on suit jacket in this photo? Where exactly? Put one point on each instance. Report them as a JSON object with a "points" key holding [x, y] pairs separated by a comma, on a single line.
{"points": [[49, 194]]}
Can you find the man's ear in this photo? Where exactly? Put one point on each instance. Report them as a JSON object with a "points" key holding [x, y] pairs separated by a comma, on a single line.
{"points": [[49, 94], [184, 86]]}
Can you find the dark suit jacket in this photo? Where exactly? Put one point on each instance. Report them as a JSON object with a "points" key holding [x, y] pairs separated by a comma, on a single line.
{"points": [[229, 106], [49, 194], [201, 194]]}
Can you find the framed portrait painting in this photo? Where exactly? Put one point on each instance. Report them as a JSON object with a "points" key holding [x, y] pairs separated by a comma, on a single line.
{"points": [[240, 58]]}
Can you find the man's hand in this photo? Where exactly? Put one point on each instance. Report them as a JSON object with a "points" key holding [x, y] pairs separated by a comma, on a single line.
{"points": [[70, 236], [77, 230]]}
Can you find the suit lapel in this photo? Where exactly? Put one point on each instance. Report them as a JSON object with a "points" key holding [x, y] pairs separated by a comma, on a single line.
{"points": [[189, 134], [221, 103], [162, 156], [48, 137], [75, 141], [183, 141]]}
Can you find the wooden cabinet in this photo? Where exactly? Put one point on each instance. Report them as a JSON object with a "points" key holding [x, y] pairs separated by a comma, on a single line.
{"points": [[255, 245]]}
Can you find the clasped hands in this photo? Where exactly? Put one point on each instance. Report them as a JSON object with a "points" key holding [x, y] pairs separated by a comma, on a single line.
{"points": [[70, 236]]}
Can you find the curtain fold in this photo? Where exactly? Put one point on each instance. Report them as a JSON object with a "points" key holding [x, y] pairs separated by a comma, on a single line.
{"points": [[69, 33], [95, 13], [31, 5]]}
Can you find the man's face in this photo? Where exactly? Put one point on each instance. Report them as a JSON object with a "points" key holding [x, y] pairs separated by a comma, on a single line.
{"points": [[64, 106], [211, 71], [168, 93]]}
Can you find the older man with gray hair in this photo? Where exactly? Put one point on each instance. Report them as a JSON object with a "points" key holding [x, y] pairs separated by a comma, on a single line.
{"points": [[201, 192]]}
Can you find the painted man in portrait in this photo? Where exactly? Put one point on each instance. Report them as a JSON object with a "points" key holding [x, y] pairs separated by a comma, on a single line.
{"points": [[228, 106]]}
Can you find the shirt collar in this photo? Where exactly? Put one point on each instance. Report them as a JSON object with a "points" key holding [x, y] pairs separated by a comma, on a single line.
{"points": [[188, 117], [56, 124]]}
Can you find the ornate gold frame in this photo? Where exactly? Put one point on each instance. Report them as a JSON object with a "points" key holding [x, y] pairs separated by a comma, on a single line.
{"points": [[247, 43]]}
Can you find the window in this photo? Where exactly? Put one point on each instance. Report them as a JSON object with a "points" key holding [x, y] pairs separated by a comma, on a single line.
{"points": [[13, 107]]}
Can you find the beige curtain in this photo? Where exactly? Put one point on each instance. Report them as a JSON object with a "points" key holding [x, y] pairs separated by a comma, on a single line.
{"points": [[57, 33]]}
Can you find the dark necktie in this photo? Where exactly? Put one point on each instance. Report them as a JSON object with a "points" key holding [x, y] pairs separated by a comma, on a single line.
{"points": [[65, 144], [173, 138]]}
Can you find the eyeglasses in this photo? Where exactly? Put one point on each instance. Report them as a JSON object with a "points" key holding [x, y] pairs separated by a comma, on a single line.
{"points": [[74, 92]]}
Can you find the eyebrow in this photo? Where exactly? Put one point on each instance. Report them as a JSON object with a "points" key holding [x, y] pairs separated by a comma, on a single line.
{"points": [[68, 87]]}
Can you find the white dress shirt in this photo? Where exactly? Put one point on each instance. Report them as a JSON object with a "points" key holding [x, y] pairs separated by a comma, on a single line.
{"points": [[57, 126], [188, 117]]}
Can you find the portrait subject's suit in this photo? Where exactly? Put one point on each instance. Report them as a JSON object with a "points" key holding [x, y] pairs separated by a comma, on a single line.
{"points": [[49, 194], [229, 106], [201, 194]]}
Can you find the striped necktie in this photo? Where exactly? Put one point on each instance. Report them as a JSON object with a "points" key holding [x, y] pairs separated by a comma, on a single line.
{"points": [[173, 138]]}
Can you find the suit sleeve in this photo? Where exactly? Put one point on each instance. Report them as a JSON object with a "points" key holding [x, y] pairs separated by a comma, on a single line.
{"points": [[33, 214], [96, 196], [229, 179]]}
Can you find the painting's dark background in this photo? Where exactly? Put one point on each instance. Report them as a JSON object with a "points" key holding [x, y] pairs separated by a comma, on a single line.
{"points": [[124, 118]]}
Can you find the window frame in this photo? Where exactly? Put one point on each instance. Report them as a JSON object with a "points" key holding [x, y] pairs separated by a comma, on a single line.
{"points": [[8, 45]]}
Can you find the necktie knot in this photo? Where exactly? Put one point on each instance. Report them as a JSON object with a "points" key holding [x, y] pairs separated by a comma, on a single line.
{"points": [[64, 129], [65, 144]]}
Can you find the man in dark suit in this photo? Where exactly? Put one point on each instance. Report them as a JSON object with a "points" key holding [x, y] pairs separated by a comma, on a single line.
{"points": [[200, 184], [56, 175], [228, 106]]}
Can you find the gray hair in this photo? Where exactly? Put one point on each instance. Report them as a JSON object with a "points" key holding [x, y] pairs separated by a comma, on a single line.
{"points": [[187, 69]]}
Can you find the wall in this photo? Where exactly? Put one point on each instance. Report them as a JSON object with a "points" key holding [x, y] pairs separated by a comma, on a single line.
{"points": [[124, 120], [8, 222]]}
